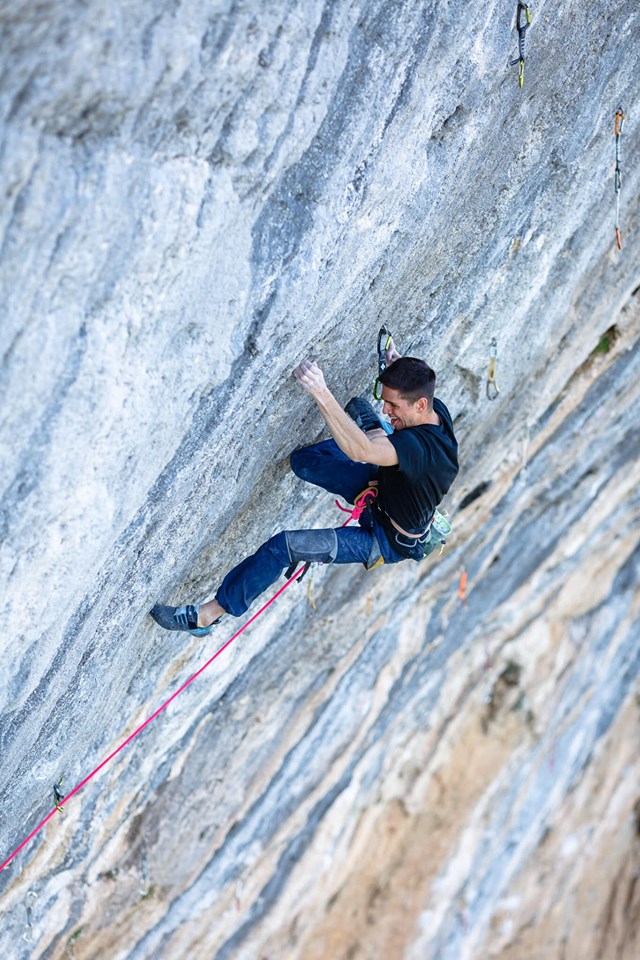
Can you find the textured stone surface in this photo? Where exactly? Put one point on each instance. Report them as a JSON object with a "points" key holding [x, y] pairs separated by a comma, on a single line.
{"points": [[195, 197]]}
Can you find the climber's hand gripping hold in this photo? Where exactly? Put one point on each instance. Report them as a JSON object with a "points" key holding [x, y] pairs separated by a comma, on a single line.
{"points": [[310, 377]]}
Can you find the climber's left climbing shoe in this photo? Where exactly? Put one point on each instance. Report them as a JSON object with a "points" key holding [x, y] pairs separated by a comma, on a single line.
{"points": [[181, 618], [363, 414]]}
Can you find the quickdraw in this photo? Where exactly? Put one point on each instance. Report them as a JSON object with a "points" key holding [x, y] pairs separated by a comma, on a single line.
{"points": [[384, 342], [619, 124], [58, 796], [462, 588], [523, 22], [492, 382]]}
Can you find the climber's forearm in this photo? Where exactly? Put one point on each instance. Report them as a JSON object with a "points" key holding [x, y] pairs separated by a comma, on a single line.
{"points": [[349, 437]]}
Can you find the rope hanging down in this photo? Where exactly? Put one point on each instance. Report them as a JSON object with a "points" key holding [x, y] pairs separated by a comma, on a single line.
{"points": [[60, 801], [618, 176], [523, 22]]}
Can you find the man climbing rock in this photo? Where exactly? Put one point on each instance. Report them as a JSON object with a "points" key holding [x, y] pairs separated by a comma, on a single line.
{"points": [[410, 462]]}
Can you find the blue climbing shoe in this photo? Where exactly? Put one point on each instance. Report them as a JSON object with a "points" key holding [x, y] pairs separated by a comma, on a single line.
{"points": [[365, 417], [181, 618]]}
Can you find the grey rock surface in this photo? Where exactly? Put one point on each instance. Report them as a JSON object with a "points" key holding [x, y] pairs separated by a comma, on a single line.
{"points": [[195, 197]]}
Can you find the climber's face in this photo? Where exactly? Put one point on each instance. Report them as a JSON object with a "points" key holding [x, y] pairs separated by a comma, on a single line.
{"points": [[402, 413]]}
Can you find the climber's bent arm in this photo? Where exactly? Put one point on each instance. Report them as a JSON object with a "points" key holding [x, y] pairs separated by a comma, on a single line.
{"points": [[357, 445], [352, 441]]}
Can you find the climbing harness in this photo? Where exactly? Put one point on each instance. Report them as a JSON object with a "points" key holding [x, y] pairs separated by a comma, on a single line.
{"points": [[384, 342], [132, 736], [619, 124], [492, 383], [323, 543], [436, 533], [523, 22], [360, 505]]}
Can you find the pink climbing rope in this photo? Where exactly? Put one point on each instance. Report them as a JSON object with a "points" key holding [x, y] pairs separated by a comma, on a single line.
{"points": [[149, 719]]}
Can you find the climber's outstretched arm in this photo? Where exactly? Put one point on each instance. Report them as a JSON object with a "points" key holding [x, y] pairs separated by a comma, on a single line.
{"points": [[349, 437]]}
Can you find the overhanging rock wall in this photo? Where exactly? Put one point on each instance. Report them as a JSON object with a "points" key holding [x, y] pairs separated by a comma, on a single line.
{"points": [[196, 196]]}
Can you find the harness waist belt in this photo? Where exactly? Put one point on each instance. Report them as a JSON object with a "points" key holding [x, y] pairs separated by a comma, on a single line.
{"points": [[396, 526]]}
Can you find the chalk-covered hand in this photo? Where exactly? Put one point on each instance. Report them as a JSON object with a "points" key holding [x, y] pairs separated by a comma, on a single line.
{"points": [[310, 377]]}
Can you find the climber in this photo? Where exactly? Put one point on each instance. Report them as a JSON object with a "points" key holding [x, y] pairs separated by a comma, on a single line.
{"points": [[410, 462]]}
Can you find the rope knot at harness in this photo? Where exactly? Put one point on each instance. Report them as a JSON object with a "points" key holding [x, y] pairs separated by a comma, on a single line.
{"points": [[360, 504]]}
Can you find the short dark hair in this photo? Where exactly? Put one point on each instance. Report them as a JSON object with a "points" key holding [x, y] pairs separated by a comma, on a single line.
{"points": [[412, 378]]}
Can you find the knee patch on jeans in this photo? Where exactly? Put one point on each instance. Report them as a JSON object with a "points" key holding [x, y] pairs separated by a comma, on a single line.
{"points": [[317, 546]]}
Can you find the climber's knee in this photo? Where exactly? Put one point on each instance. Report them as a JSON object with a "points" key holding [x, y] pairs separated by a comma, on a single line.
{"points": [[316, 546], [298, 461]]}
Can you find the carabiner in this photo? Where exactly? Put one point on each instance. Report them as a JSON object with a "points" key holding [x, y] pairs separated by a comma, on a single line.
{"points": [[617, 177], [384, 342], [492, 382], [58, 796], [522, 25]]}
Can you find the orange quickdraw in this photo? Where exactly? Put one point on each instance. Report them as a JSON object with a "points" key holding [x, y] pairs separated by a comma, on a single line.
{"points": [[462, 587]]}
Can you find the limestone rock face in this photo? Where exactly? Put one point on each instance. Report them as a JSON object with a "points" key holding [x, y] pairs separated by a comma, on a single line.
{"points": [[195, 197]]}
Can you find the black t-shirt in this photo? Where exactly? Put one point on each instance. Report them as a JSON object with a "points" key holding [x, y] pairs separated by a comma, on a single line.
{"points": [[428, 455]]}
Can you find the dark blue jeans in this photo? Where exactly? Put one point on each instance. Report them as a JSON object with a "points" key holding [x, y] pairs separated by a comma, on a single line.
{"points": [[325, 465]]}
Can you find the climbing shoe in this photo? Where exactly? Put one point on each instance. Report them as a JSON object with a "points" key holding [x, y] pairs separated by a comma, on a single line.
{"points": [[181, 618], [363, 414]]}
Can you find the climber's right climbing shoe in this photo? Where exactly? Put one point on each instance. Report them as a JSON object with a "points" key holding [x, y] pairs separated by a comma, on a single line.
{"points": [[364, 415], [181, 618]]}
